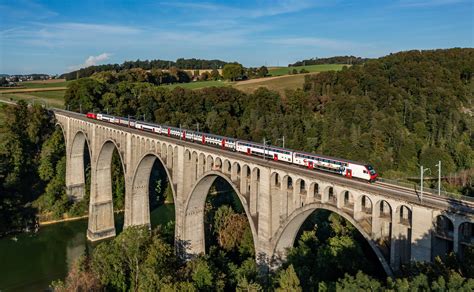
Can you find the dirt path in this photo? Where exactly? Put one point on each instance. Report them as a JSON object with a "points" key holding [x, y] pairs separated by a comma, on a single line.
{"points": [[259, 80]]}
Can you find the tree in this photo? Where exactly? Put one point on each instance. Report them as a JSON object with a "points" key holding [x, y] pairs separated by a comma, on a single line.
{"points": [[233, 71], [262, 71], [288, 281]]}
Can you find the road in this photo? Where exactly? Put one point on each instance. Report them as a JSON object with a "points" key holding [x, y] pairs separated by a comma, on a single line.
{"points": [[393, 191]]}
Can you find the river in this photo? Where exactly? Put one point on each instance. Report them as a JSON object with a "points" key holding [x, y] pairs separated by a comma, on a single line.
{"points": [[29, 262]]}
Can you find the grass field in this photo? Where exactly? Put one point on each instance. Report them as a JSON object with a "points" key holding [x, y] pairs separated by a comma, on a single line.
{"points": [[311, 68], [51, 98], [279, 84], [198, 84], [39, 84]]}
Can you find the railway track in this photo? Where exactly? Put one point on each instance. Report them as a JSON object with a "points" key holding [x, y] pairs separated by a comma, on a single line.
{"points": [[394, 191]]}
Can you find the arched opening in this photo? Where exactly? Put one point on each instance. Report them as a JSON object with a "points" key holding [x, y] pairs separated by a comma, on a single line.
{"points": [[78, 168], [402, 239], [330, 196], [217, 217], [209, 163], [364, 214], [235, 172], [315, 192], [107, 192], [152, 196], [443, 239], [466, 238], [305, 237], [275, 180], [218, 164], [382, 227], [227, 167], [348, 202]]}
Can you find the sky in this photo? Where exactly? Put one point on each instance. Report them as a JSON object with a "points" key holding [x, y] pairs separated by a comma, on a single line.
{"points": [[54, 36]]}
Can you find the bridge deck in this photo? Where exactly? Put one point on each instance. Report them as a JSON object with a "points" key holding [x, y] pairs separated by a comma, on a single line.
{"points": [[393, 191]]}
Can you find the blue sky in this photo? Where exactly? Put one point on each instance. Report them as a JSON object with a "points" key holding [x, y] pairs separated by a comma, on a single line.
{"points": [[59, 36]]}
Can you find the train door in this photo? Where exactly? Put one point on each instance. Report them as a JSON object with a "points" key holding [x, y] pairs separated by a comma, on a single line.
{"points": [[223, 143], [184, 135], [169, 132], [349, 173], [275, 157], [248, 150], [310, 165], [203, 139]]}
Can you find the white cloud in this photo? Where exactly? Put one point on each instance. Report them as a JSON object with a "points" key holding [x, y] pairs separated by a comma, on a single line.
{"points": [[91, 61], [271, 8], [427, 3]]}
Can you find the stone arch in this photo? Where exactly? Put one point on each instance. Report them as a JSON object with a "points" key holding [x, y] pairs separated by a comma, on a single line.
{"points": [[275, 180], [443, 236], [193, 239], [363, 212], [347, 201], [329, 196], [382, 226], [101, 212], [138, 207], [217, 164], [227, 168], [401, 240], [287, 183], [301, 186], [235, 172], [314, 191], [466, 237], [201, 163], [209, 163], [288, 230], [75, 176]]}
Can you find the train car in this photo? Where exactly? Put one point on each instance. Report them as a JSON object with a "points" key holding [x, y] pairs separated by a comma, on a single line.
{"points": [[91, 115], [106, 118], [347, 168], [272, 152], [148, 127]]}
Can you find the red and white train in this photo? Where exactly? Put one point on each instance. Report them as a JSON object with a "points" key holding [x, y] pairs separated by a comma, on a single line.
{"points": [[347, 168]]}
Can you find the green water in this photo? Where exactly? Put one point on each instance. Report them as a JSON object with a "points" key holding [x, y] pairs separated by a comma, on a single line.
{"points": [[32, 261]]}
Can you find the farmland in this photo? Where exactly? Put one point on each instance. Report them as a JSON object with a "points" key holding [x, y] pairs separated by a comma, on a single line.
{"points": [[278, 71], [50, 98], [279, 84]]}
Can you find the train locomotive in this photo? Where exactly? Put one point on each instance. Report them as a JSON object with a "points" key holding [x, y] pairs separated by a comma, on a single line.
{"points": [[347, 168]]}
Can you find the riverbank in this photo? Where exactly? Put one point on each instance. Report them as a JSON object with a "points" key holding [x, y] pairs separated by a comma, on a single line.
{"points": [[49, 222]]}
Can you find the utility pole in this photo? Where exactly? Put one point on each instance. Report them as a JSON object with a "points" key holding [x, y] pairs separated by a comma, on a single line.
{"points": [[80, 108], [421, 183], [197, 126], [264, 146], [439, 177], [283, 141], [422, 171]]}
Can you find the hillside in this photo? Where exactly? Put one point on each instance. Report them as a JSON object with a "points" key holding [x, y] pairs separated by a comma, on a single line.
{"points": [[395, 112]]}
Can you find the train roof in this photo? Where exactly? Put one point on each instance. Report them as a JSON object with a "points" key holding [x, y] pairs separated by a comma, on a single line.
{"points": [[250, 142]]}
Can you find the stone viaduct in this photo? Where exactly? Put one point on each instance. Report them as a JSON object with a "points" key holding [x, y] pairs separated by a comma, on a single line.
{"points": [[277, 197]]}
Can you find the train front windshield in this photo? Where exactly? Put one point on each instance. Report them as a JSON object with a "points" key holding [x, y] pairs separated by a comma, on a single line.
{"points": [[371, 169]]}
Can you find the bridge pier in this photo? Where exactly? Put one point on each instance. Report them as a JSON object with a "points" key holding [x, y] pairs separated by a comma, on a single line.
{"points": [[101, 221]]}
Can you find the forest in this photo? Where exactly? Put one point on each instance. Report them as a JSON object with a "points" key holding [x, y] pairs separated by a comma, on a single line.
{"points": [[349, 60], [396, 112], [145, 65]]}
